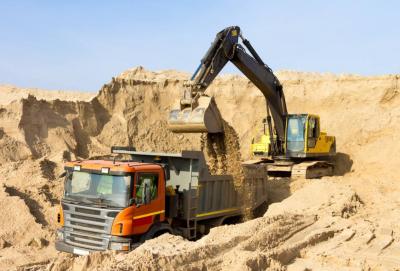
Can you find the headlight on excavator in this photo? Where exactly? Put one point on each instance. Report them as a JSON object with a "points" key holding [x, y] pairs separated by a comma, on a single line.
{"points": [[119, 246]]}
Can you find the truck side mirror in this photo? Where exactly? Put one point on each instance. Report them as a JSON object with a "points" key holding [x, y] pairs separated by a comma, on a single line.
{"points": [[132, 201], [62, 175]]}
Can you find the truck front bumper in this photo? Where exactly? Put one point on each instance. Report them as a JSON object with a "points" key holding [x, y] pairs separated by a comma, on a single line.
{"points": [[113, 243], [64, 247]]}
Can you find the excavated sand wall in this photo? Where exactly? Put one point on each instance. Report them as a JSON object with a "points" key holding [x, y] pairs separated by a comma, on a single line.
{"points": [[132, 110], [36, 136]]}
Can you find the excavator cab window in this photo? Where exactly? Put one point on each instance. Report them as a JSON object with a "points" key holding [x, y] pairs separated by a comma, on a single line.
{"points": [[313, 132], [295, 133]]}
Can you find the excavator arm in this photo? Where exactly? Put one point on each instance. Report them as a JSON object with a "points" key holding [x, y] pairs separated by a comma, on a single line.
{"points": [[226, 47]]}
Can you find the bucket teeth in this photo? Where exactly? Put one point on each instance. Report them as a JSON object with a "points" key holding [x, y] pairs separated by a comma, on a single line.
{"points": [[201, 117]]}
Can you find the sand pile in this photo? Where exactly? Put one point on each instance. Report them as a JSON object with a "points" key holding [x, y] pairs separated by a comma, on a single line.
{"points": [[283, 239], [343, 223], [10, 93]]}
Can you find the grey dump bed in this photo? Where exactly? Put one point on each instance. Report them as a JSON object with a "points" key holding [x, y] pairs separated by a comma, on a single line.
{"points": [[207, 196]]}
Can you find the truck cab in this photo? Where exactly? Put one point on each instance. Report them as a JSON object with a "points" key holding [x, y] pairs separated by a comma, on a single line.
{"points": [[105, 201]]}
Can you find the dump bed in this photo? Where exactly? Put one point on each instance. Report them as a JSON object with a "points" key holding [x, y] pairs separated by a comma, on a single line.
{"points": [[205, 195]]}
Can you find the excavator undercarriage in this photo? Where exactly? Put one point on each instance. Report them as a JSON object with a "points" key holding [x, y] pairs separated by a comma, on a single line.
{"points": [[295, 169]]}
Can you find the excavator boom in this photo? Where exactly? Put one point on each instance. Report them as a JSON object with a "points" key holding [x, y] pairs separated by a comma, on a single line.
{"points": [[197, 112]]}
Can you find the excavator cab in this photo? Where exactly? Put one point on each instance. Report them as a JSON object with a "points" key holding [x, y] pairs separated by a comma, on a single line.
{"points": [[295, 138], [304, 138]]}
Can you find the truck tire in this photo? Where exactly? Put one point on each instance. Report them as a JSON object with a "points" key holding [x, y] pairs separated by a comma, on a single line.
{"points": [[156, 230], [231, 220], [260, 210]]}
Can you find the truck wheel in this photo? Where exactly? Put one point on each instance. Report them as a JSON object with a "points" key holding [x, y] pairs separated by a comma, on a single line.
{"points": [[260, 210], [232, 220], [156, 230]]}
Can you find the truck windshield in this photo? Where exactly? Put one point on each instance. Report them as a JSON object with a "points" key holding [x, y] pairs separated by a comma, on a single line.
{"points": [[98, 189], [295, 133]]}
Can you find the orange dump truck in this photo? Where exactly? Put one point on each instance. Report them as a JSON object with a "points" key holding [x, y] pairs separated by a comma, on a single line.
{"points": [[116, 204]]}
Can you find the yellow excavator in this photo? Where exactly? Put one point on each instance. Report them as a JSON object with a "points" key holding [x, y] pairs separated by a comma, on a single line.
{"points": [[296, 146]]}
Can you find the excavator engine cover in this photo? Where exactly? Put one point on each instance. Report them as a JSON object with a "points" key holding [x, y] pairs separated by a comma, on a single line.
{"points": [[201, 117]]}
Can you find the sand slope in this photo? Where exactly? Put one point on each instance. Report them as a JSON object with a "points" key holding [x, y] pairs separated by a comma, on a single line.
{"points": [[345, 222]]}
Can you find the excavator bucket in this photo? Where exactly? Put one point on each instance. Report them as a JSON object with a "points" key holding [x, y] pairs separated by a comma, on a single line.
{"points": [[201, 117]]}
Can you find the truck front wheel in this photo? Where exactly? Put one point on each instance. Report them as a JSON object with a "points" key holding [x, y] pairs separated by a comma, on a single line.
{"points": [[155, 231]]}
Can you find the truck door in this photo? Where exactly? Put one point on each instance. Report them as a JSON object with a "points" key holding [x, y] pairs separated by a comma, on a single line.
{"points": [[148, 191]]}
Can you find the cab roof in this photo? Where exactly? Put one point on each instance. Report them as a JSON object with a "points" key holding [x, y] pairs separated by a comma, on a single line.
{"points": [[114, 166]]}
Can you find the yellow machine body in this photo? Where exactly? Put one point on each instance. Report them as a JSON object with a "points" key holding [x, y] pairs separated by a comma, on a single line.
{"points": [[261, 146], [303, 139]]}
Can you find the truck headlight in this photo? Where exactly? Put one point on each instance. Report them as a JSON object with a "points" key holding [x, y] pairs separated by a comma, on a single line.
{"points": [[119, 246], [60, 236]]}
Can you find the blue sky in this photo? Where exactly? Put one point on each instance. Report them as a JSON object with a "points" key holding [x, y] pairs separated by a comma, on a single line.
{"points": [[80, 45]]}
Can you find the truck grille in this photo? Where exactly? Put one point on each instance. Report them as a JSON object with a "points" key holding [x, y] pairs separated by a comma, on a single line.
{"points": [[87, 227]]}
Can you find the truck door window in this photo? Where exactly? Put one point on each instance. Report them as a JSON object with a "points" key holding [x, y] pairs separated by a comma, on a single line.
{"points": [[147, 181]]}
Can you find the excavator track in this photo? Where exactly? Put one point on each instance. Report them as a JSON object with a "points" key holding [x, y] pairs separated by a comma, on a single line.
{"points": [[302, 170], [312, 170]]}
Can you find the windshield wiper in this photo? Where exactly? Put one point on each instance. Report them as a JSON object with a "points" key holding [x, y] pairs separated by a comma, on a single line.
{"points": [[108, 203], [100, 201], [80, 199]]}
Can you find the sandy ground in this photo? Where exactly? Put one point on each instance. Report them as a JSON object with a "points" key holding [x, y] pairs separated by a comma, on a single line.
{"points": [[345, 222]]}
